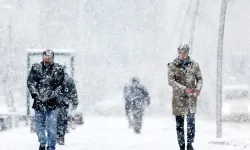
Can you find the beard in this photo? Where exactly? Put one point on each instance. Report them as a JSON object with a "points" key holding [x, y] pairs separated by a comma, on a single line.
{"points": [[47, 64]]}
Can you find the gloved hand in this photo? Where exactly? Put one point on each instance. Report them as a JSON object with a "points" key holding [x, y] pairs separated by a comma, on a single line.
{"points": [[37, 97], [188, 91], [34, 95], [196, 93]]}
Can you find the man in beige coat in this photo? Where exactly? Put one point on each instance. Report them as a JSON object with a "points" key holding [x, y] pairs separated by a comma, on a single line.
{"points": [[184, 75]]}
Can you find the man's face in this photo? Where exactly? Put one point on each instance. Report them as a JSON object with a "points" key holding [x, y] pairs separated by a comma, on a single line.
{"points": [[48, 60], [182, 54], [135, 82]]}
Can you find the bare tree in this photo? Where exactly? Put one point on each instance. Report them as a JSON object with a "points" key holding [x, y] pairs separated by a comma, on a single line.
{"points": [[7, 65], [192, 32]]}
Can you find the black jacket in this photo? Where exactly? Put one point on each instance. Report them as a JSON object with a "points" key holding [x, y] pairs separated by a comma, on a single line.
{"points": [[136, 95], [44, 84], [69, 94]]}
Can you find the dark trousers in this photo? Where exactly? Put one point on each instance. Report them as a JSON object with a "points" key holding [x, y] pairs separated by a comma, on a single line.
{"points": [[128, 110], [62, 122], [137, 119], [134, 113], [190, 129]]}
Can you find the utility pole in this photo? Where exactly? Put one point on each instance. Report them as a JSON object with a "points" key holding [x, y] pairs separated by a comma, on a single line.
{"points": [[220, 69]]}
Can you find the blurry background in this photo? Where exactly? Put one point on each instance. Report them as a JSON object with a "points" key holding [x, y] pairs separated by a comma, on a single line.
{"points": [[117, 39]]}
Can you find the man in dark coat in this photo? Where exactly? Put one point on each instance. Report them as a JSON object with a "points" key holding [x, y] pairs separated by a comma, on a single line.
{"points": [[136, 98], [45, 82], [68, 97]]}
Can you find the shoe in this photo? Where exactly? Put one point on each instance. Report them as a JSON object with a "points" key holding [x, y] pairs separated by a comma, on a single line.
{"points": [[42, 147], [137, 131], [60, 140], [190, 146], [51, 148]]}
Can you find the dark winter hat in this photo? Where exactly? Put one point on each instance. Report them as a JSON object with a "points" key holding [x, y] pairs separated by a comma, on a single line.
{"points": [[183, 47], [135, 79], [48, 52]]}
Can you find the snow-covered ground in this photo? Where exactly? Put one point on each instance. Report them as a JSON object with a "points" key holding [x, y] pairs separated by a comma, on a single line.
{"points": [[111, 133]]}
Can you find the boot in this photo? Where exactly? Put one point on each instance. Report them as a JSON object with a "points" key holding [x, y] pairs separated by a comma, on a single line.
{"points": [[182, 147], [137, 131], [42, 147], [51, 148], [60, 140], [190, 146]]}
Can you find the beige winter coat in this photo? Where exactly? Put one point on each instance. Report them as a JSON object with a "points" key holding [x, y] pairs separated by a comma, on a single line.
{"points": [[180, 79]]}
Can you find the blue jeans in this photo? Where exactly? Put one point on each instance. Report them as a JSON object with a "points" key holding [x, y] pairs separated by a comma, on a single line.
{"points": [[46, 121]]}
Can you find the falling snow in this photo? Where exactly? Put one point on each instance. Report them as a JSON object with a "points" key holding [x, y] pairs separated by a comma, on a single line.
{"points": [[101, 45]]}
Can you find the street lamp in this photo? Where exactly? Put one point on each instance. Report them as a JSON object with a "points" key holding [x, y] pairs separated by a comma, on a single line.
{"points": [[219, 69]]}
